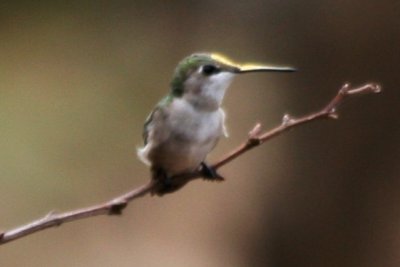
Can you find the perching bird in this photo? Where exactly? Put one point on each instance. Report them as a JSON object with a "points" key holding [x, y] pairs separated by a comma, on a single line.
{"points": [[187, 124]]}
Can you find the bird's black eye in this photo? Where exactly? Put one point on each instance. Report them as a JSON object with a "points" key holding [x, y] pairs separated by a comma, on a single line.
{"points": [[210, 69]]}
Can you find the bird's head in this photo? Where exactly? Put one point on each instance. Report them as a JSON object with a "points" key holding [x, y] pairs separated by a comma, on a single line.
{"points": [[203, 78]]}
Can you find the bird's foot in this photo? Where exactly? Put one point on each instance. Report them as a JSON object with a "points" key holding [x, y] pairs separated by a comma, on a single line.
{"points": [[209, 173], [165, 184]]}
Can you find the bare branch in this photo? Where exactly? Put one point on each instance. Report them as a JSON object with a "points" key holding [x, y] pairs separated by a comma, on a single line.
{"points": [[288, 122], [52, 219], [116, 205]]}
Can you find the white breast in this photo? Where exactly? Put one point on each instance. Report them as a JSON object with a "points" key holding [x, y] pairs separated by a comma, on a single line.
{"points": [[183, 140]]}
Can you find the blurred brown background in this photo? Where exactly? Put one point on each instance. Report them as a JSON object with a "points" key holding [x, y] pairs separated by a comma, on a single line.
{"points": [[78, 80]]}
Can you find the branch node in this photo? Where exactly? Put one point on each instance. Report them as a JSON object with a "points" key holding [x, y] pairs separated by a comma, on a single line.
{"points": [[52, 216], [116, 208], [251, 142], [287, 120], [345, 89], [255, 132], [376, 88], [49, 215], [254, 139], [333, 115]]}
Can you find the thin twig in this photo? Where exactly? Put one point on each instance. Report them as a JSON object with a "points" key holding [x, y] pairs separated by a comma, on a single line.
{"points": [[288, 122], [116, 205]]}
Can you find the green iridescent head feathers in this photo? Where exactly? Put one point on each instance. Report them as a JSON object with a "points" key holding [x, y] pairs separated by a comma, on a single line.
{"points": [[186, 67]]}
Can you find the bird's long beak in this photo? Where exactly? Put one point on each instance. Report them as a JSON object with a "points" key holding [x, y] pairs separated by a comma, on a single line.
{"points": [[256, 68]]}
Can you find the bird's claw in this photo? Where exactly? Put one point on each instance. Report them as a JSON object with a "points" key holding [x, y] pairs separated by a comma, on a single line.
{"points": [[210, 173]]}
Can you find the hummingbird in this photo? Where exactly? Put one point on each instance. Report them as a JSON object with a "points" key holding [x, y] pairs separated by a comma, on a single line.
{"points": [[186, 125]]}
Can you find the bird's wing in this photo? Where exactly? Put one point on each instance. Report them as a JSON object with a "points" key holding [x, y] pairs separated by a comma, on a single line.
{"points": [[159, 110], [224, 129], [147, 125]]}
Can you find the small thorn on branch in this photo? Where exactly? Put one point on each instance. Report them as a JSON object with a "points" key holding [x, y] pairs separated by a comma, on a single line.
{"points": [[345, 88], [286, 120], [49, 215], [332, 114], [255, 132]]}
